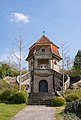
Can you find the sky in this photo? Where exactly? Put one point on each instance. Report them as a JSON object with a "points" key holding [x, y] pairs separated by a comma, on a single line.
{"points": [[60, 19]]}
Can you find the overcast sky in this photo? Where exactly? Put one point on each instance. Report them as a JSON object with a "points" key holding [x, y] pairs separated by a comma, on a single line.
{"points": [[60, 19]]}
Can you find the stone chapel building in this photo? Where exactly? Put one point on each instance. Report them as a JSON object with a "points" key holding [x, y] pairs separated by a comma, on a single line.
{"points": [[45, 77]]}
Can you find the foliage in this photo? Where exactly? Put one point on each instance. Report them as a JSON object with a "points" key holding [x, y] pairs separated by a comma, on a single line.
{"points": [[70, 116], [10, 91], [74, 107], [6, 70], [71, 97], [77, 62], [59, 112], [4, 96], [5, 86], [7, 111], [18, 98], [73, 91], [76, 69], [74, 72], [58, 101]]}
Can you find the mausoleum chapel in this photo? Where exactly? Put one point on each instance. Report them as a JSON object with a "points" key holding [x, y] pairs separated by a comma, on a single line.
{"points": [[45, 76]]}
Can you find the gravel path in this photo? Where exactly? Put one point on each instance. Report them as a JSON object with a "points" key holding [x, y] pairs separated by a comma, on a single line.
{"points": [[35, 113]]}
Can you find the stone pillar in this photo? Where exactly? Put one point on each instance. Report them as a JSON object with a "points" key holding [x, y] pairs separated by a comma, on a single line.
{"points": [[32, 82], [53, 82], [36, 63], [50, 64]]}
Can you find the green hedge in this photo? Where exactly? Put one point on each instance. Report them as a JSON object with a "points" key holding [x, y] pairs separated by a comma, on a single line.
{"points": [[58, 101], [9, 96], [18, 98], [5, 95]]}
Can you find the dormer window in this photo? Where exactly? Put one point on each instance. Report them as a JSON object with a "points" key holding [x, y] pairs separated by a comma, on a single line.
{"points": [[43, 50]]}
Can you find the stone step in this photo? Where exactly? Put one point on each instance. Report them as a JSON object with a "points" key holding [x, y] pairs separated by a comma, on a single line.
{"points": [[39, 102], [40, 98], [40, 95]]}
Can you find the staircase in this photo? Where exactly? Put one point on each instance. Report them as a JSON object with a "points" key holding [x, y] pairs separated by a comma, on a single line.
{"points": [[24, 78], [41, 98]]}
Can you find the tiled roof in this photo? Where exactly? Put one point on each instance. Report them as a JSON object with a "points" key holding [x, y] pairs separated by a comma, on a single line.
{"points": [[31, 52], [44, 41], [55, 50]]}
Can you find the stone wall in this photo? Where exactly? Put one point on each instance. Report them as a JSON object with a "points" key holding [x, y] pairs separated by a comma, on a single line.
{"points": [[31, 65], [55, 65], [37, 79], [58, 84], [10, 80]]}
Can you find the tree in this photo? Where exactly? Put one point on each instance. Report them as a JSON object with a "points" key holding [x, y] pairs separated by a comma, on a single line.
{"points": [[18, 55], [6, 70], [64, 49], [77, 61], [76, 68]]}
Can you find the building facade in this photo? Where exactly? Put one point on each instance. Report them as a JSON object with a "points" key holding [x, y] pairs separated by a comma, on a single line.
{"points": [[43, 60]]}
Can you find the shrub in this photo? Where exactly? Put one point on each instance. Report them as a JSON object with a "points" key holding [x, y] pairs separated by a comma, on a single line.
{"points": [[72, 97], [17, 98], [74, 107], [58, 101], [5, 95], [70, 116]]}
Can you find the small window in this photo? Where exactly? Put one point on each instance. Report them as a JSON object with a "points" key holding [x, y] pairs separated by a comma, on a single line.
{"points": [[31, 63], [55, 62], [41, 66], [43, 50], [45, 66]]}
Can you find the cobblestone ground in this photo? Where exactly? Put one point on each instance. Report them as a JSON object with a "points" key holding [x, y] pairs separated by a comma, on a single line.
{"points": [[35, 113]]}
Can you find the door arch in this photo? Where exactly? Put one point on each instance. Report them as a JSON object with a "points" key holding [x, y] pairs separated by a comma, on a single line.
{"points": [[43, 86]]}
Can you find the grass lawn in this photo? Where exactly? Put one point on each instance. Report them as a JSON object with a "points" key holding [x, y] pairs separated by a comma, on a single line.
{"points": [[59, 112], [7, 111]]}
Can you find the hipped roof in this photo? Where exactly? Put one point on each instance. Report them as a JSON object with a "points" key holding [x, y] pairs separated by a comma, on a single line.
{"points": [[44, 41]]}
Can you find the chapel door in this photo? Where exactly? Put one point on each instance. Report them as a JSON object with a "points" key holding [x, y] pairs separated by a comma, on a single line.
{"points": [[43, 86]]}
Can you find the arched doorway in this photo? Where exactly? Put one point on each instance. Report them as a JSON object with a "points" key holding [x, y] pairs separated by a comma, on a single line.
{"points": [[43, 86]]}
